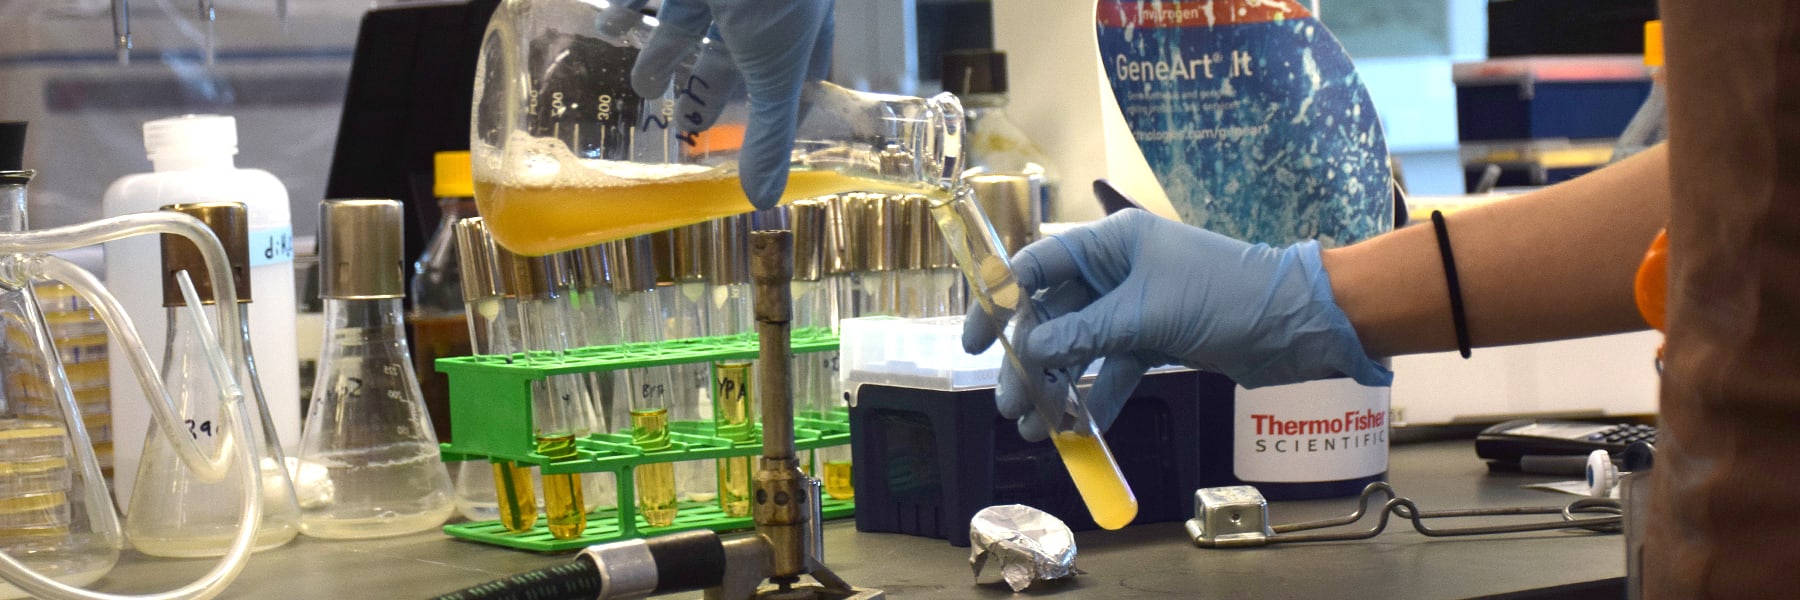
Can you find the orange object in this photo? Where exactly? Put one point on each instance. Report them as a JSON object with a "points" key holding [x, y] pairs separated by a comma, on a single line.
{"points": [[1652, 285], [1653, 44]]}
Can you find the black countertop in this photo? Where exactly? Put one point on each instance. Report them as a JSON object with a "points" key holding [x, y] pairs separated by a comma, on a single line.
{"points": [[1155, 560]]}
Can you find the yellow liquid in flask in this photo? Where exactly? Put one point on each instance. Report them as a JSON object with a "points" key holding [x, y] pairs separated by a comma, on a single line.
{"points": [[610, 200]]}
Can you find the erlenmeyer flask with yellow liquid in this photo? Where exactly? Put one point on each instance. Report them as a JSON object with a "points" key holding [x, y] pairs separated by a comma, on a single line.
{"points": [[566, 155]]}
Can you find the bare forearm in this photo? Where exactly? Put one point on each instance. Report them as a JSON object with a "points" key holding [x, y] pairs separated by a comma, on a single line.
{"points": [[1556, 263]]}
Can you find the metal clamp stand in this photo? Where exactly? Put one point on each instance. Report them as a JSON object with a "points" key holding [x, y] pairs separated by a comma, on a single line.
{"points": [[788, 540]]}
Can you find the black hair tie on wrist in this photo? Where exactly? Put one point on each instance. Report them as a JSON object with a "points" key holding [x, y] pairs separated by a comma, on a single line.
{"points": [[1457, 317]]}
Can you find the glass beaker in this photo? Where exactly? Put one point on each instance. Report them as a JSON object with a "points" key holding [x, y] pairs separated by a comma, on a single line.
{"points": [[567, 154]]}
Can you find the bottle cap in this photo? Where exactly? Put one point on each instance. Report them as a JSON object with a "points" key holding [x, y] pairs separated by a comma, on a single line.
{"points": [[360, 250], [230, 223], [190, 134], [12, 145], [807, 219], [453, 177], [475, 258], [872, 225], [980, 71], [728, 258], [1653, 43], [632, 266]]}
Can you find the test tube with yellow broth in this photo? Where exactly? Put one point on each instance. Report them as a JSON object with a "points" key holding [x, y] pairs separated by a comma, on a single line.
{"points": [[983, 261]]}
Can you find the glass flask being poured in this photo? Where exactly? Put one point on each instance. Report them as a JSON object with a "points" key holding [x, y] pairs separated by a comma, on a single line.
{"points": [[566, 154], [369, 463], [174, 511]]}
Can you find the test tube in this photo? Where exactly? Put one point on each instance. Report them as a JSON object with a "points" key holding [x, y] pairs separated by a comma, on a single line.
{"points": [[734, 406], [492, 308], [874, 223], [593, 322], [984, 263], [930, 285], [561, 409], [685, 291], [815, 373], [646, 389]]}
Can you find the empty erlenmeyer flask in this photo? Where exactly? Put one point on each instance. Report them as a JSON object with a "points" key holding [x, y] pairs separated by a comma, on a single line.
{"points": [[174, 512], [55, 516], [367, 426]]}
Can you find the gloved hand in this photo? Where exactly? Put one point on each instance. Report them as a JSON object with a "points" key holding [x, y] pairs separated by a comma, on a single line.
{"points": [[775, 46], [1149, 291]]}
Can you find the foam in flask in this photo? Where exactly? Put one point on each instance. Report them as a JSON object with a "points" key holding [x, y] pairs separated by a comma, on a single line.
{"points": [[192, 161]]}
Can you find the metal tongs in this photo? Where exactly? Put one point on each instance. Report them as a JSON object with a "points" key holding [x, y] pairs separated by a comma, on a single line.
{"points": [[1238, 516]]}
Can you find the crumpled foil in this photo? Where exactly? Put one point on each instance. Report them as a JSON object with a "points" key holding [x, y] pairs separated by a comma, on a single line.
{"points": [[1028, 544]]}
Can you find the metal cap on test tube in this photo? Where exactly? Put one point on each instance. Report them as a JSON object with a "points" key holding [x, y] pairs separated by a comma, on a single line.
{"points": [[728, 260], [632, 266], [834, 254], [536, 277], [807, 218], [591, 267], [1010, 201], [475, 257], [872, 224], [360, 251], [228, 221]]}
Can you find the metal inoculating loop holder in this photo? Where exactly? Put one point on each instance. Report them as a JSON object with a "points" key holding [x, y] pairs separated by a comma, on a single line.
{"points": [[1238, 516]]}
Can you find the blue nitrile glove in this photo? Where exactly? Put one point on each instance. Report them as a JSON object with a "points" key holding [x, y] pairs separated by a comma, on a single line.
{"points": [[1152, 292], [776, 46]]}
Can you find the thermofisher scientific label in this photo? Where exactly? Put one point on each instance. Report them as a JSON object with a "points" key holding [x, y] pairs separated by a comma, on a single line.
{"points": [[1252, 117]]}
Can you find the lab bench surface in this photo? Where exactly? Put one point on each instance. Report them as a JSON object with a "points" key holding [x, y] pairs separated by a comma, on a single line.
{"points": [[1155, 560]]}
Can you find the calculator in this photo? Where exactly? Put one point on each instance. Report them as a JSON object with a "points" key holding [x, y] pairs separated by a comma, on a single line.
{"points": [[1507, 442]]}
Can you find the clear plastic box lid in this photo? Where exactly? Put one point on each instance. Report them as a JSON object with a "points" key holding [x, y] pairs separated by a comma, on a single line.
{"points": [[921, 354]]}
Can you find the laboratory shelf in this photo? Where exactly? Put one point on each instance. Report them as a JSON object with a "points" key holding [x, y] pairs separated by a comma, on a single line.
{"points": [[490, 418]]}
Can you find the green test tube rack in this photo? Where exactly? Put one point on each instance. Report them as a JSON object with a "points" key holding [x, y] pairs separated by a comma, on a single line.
{"points": [[490, 418]]}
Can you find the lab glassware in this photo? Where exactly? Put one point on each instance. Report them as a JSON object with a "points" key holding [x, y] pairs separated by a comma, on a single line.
{"points": [[1085, 454], [499, 489], [175, 511], [56, 518], [561, 409], [567, 154], [367, 426], [647, 389], [734, 398]]}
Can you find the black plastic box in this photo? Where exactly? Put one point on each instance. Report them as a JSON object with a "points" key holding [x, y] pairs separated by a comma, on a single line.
{"points": [[926, 460]]}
